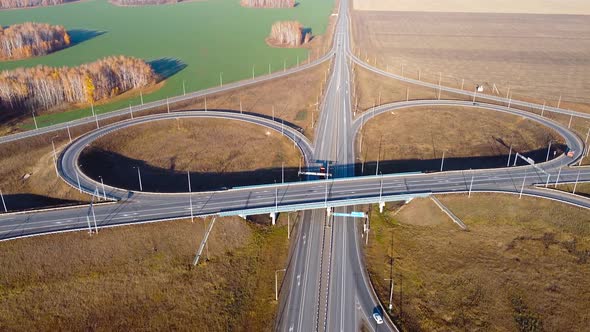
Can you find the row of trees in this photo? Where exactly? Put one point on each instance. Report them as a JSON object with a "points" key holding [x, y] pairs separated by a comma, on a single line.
{"points": [[42, 87], [8, 4], [288, 33], [268, 3], [143, 2], [31, 39]]}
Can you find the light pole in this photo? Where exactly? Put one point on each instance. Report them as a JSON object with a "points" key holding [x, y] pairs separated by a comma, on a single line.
{"points": [[190, 198], [35, 120], [378, 157], [471, 185], [3, 202], [390, 307], [69, 134], [183, 88], [103, 191], [509, 156], [277, 283], [548, 150], [221, 79], [576, 184], [442, 162], [557, 180], [78, 179], [139, 177], [54, 154]]}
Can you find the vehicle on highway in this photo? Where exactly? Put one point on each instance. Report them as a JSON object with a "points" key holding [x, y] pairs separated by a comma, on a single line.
{"points": [[570, 153], [377, 315]]}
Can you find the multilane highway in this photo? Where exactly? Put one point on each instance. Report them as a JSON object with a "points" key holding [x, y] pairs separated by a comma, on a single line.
{"points": [[327, 286]]}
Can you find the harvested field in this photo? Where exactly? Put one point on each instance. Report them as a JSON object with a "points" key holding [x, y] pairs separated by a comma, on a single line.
{"points": [[218, 153], [571, 7], [535, 56], [140, 278], [512, 271], [415, 139]]}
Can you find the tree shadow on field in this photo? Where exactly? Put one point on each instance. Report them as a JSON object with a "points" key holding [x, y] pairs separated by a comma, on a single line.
{"points": [[166, 67], [78, 36]]}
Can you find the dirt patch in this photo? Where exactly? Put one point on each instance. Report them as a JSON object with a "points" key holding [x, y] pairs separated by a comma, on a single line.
{"points": [[218, 153], [575, 7], [415, 139], [513, 269], [422, 212], [525, 53], [140, 278]]}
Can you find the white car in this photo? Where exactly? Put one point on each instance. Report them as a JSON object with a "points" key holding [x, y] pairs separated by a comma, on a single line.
{"points": [[378, 318]]}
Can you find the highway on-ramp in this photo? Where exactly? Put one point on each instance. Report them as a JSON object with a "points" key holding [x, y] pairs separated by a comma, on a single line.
{"points": [[327, 284]]}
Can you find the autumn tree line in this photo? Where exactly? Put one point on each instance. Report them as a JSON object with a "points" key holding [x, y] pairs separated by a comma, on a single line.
{"points": [[31, 39], [41, 88], [268, 3], [9, 4], [288, 33]]}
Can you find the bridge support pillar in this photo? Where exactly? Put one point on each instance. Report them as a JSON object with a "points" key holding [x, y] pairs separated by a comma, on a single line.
{"points": [[381, 206], [243, 216], [273, 216], [329, 211]]}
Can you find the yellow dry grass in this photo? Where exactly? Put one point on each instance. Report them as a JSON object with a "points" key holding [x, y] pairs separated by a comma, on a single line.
{"points": [[523, 265], [425, 133], [140, 278]]}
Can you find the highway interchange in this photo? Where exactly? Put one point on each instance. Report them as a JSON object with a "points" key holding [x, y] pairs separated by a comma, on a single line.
{"points": [[326, 286]]}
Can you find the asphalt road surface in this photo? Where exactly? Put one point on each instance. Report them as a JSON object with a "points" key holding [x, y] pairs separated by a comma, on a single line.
{"points": [[327, 286]]}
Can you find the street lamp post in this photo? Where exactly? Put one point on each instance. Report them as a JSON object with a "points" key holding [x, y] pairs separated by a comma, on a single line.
{"points": [[277, 283], [3, 202], [54, 155], [190, 198], [103, 190], [139, 177], [548, 150]]}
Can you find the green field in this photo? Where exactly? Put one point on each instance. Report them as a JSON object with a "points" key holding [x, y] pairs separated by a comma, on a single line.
{"points": [[210, 37]]}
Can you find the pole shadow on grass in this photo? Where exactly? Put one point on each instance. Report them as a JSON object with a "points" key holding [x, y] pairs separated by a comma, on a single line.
{"points": [[166, 67], [78, 36]]}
